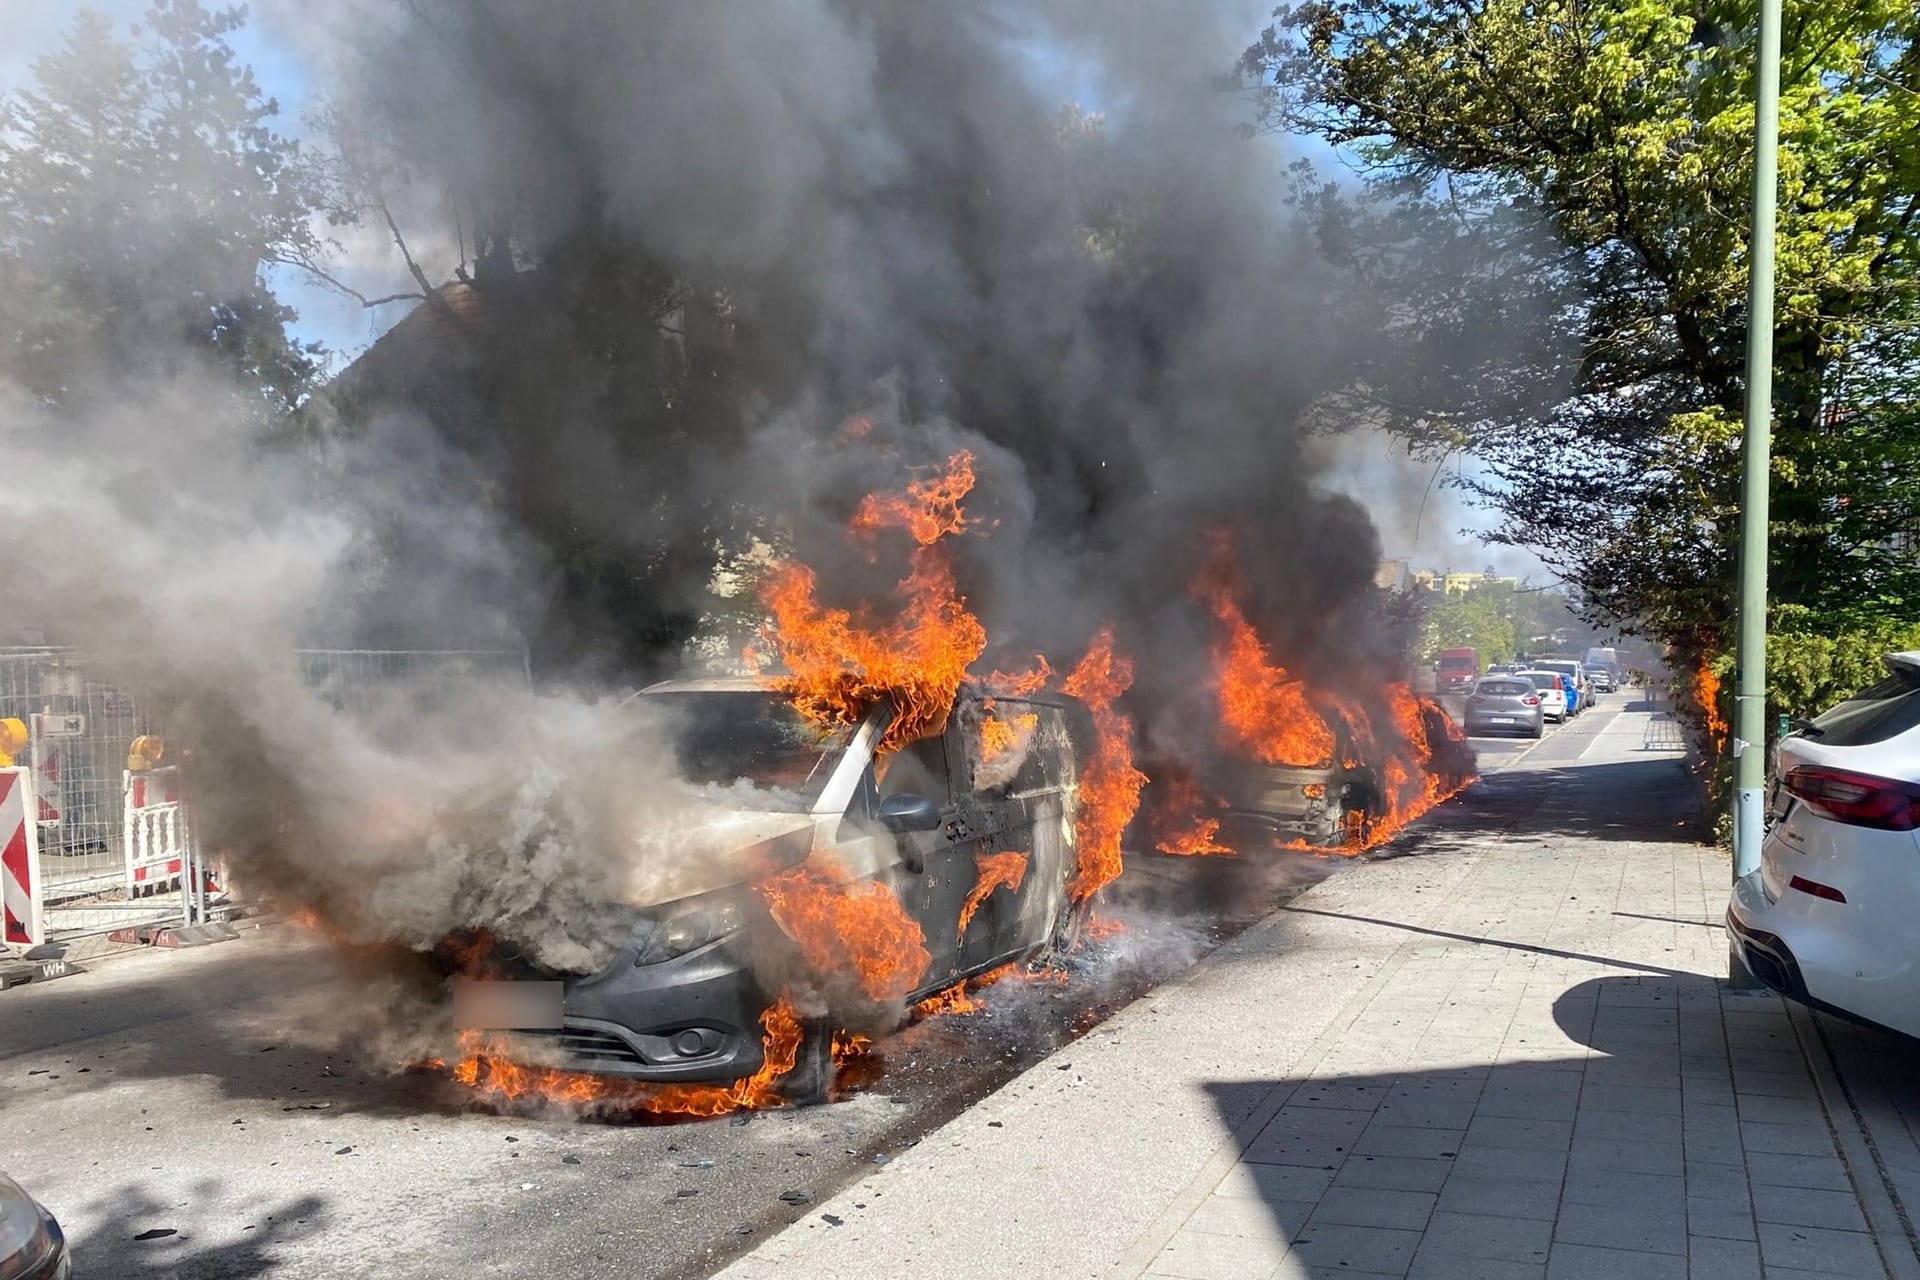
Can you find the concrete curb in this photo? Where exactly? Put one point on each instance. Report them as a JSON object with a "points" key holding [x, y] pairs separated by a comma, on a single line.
{"points": [[19, 973], [1886, 1215]]}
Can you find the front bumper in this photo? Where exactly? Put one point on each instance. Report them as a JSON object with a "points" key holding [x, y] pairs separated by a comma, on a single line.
{"points": [[694, 1019], [1321, 826]]}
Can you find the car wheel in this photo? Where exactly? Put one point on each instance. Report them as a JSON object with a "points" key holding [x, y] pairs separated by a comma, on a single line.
{"points": [[1066, 933], [1539, 730], [811, 1080], [1353, 826]]}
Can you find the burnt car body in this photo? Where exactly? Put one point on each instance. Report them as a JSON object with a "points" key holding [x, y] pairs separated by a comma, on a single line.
{"points": [[1322, 805], [682, 998]]}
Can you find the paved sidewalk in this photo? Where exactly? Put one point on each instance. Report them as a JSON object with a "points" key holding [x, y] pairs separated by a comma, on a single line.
{"points": [[1508, 1052]]}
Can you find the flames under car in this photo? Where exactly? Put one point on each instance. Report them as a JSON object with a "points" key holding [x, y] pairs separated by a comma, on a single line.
{"points": [[681, 1000]]}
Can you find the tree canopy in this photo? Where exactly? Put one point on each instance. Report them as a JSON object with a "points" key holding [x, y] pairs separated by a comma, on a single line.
{"points": [[143, 195], [1592, 160]]}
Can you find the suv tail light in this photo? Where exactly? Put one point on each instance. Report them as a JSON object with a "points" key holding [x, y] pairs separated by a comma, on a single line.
{"points": [[1858, 799]]}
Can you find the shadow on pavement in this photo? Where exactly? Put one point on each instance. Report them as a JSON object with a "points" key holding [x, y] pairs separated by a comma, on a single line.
{"points": [[172, 1252], [1567, 1146], [1478, 940], [1368, 1172]]}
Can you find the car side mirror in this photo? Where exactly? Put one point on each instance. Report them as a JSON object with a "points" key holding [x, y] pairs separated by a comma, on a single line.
{"points": [[909, 812]]}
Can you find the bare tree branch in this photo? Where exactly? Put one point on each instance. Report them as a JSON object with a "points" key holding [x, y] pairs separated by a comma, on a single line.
{"points": [[433, 296], [334, 282]]}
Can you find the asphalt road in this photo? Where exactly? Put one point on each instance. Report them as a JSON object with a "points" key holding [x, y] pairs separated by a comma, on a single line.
{"points": [[201, 1094], [199, 1099]]}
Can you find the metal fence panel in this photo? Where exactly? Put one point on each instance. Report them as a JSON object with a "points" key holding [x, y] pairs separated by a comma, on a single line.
{"points": [[88, 727], [82, 727]]}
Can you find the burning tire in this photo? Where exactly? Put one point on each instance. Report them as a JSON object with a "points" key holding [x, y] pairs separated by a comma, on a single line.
{"points": [[811, 1080]]}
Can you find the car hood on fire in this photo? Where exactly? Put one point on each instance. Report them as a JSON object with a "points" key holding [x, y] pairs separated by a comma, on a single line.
{"points": [[718, 852]]}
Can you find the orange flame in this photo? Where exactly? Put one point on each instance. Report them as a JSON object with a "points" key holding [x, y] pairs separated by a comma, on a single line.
{"points": [[1264, 711], [959, 998], [1021, 684], [1109, 784], [841, 662], [487, 1068], [999, 738], [1706, 694], [994, 871], [952, 1000], [1179, 817], [929, 510], [847, 926]]}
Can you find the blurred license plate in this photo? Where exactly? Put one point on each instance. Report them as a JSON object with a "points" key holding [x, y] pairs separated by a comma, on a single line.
{"points": [[1501, 719], [506, 1006]]}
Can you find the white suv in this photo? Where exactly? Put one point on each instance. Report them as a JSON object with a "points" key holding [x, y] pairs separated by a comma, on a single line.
{"points": [[1828, 919]]}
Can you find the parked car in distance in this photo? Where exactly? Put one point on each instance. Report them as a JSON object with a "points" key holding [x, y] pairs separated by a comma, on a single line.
{"points": [[1572, 675], [1503, 669], [1556, 698], [1828, 918], [1456, 670], [1506, 703], [1601, 678], [681, 998], [32, 1246], [1602, 656]]}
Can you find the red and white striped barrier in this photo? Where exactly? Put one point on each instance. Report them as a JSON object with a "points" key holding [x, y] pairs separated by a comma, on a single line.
{"points": [[156, 835], [20, 917]]}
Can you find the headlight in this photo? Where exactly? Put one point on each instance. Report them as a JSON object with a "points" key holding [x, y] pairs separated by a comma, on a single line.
{"points": [[25, 1243], [689, 925]]}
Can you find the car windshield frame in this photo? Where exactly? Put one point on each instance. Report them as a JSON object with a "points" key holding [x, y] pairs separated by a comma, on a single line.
{"points": [[751, 736]]}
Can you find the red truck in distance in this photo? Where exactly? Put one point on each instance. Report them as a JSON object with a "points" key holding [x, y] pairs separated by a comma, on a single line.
{"points": [[1456, 670]]}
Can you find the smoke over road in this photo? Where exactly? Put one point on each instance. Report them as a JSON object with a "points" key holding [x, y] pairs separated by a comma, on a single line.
{"points": [[735, 274]]}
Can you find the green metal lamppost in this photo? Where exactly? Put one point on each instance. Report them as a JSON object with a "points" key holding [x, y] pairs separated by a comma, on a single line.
{"points": [[1750, 674]]}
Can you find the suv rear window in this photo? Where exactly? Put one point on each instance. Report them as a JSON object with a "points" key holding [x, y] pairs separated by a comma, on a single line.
{"points": [[1878, 712]]}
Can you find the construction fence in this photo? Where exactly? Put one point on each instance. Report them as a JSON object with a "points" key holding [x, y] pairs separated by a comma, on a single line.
{"points": [[102, 840]]}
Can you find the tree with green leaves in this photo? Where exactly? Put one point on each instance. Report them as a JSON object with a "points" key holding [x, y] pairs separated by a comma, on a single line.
{"points": [[144, 194], [1553, 227], [1476, 620]]}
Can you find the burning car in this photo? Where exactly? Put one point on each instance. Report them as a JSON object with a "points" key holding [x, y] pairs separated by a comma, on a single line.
{"points": [[1328, 805], [1379, 762], [875, 879]]}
